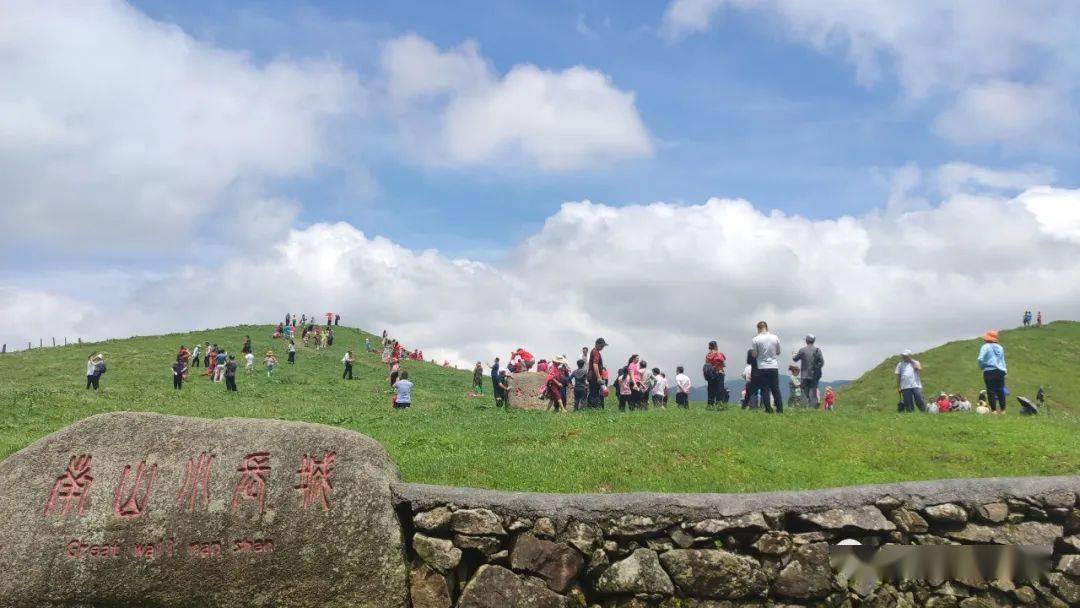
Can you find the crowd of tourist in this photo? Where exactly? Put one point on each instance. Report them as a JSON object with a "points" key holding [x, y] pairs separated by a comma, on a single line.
{"points": [[587, 382]]}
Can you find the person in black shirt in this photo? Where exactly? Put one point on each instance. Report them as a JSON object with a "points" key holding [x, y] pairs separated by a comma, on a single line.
{"points": [[230, 373], [179, 368]]}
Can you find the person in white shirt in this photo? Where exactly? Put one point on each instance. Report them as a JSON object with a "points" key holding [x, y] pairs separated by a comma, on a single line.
{"points": [[909, 382], [660, 387], [682, 388], [766, 348], [249, 362], [348, 361]]}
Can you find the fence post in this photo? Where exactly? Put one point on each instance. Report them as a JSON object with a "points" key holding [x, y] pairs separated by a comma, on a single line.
{"points": [[54, 341], [4, 350], [65, 340], [41, 342], [29, 345]]}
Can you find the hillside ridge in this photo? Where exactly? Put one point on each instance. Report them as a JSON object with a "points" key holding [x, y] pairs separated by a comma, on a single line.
{"points": [[1036, 356]]}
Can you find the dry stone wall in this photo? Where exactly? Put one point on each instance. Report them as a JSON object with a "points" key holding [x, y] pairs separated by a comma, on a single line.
{"points": [[481, 549]]}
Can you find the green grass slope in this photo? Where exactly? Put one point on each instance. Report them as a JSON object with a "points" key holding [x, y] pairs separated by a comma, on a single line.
{"points": [[447, 438], [1046, 356]]}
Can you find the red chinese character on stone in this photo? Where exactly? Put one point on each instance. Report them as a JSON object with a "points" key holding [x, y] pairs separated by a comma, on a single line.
{"points": [[315, 482], [196, 481], [252, 484], [134, 503], [72, 487]]}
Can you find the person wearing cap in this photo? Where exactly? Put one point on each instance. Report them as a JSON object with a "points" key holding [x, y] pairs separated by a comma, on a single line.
{"points": [[992, 363], [811, 362], [909, 382], [596, 370]]}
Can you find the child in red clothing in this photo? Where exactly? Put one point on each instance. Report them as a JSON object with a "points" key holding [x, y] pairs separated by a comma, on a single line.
{"points": [[943, 404], [829, 400]]}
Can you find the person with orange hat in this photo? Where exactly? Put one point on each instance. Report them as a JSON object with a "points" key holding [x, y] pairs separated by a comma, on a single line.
{"points": [[992, 363]]}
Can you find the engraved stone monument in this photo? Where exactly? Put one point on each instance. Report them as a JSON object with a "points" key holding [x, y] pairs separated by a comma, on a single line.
{"points": [[147, 509]]}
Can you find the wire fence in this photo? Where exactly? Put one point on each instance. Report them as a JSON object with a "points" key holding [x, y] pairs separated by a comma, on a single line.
{"points": [[41, 344]]}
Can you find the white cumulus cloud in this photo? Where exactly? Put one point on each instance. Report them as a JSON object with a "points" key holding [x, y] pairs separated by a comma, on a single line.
{"points": [[455, 110], [114, 126], [657, 279], [1009, 65]]}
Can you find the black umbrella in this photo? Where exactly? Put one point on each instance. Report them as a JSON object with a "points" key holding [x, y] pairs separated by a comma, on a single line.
{"points": [[1027, 408]]}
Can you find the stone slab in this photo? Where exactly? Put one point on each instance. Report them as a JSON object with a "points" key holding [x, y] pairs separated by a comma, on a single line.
{"points": [[146, 509]]}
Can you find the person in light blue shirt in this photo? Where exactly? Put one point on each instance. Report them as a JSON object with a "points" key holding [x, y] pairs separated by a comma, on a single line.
{"points": [[909, 382], [403, 391], [992, 363]]}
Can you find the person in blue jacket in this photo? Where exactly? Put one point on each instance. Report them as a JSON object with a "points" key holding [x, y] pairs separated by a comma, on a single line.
{"points": [[992, 364]]}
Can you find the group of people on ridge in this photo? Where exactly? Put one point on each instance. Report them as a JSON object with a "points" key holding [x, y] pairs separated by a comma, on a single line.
{"points": [[636, 384], [992, 400]]}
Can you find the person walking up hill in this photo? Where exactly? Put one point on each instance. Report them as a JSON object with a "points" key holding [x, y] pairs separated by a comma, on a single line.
{"points": [[992, 363]]}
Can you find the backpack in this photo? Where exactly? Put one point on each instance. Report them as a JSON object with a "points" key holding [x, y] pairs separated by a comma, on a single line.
{"points": [[817, 364], [709, 372]]}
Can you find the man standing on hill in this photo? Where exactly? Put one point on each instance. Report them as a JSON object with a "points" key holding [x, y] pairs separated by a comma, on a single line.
{"points": [[495, 380], [992, 364], [811, 362], [596, 370], [714, 371], [682, 388], [909, 382], [766, 348]]}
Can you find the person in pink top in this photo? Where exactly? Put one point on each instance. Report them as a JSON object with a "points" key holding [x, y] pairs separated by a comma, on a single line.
{"points": [[633, 375]]}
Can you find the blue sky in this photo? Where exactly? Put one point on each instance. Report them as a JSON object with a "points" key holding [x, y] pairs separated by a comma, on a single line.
{"points": [[742, 110], [418, 166]]}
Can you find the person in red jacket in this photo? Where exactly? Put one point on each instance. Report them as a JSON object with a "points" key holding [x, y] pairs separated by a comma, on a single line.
{"points": [[714, 372], [942, 404], [829, 401]]}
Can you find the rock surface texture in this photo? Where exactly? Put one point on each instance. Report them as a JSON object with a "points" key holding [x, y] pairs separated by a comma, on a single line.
{"points": [[151, 510], [725, 551]]}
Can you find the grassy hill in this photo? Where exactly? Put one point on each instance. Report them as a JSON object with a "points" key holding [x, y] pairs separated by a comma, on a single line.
{"points": [[447, 438], [1046, 356]]}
